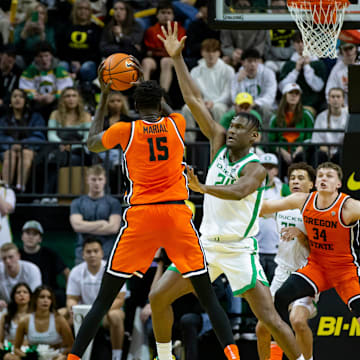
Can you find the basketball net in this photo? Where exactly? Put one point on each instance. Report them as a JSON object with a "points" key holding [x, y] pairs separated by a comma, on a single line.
{"points": [[319, 22]]}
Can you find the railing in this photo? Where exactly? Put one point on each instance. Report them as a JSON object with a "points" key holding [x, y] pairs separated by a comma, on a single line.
{"points": [[70, 178]]}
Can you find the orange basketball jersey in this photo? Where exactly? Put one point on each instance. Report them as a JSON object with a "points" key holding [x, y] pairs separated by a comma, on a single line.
{"points": [[331, 241], [153, 157]]}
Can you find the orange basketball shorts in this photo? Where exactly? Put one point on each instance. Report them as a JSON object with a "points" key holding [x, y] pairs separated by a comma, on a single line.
{"points": [[343, 278], [149, 227]]}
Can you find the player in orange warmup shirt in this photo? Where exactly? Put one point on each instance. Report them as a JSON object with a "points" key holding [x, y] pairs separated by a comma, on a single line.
{"points": [[331, 219], [156, 216]]}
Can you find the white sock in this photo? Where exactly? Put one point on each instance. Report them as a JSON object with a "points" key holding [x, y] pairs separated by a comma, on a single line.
{"points": [[164, 351], [116, 354]]}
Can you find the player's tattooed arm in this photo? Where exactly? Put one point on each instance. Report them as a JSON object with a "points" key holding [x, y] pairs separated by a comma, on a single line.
{"points": [[94, 142]]}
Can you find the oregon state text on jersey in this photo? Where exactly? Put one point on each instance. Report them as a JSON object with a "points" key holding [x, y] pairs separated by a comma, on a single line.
{"points": [[329, 238], [153, 158]]}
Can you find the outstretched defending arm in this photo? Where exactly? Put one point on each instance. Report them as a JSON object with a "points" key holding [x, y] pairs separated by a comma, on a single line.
{"points": [[294, 201], [191, 94]]}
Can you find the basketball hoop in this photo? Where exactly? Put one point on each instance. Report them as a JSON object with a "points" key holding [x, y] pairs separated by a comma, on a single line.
{"points": [[319, 22]]}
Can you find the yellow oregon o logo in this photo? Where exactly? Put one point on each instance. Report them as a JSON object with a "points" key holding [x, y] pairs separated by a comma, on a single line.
{"points": [[78, 37], [352, 184]]}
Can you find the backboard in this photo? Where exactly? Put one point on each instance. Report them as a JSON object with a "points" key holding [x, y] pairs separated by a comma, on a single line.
{"points": [[264, 14]]}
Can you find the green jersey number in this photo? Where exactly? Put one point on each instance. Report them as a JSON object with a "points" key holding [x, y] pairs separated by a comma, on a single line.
{"points": [[285, 224], [224, 180]]}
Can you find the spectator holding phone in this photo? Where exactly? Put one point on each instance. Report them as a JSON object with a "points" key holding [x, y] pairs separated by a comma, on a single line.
{"points": [[33, 30]]}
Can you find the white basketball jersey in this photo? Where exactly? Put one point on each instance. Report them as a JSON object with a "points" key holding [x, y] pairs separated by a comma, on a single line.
{"points": [[238, 218], [291, 253]]}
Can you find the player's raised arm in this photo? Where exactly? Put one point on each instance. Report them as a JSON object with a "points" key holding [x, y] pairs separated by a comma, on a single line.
{"points": [[293, 201], [191, 94], [96, 130]]}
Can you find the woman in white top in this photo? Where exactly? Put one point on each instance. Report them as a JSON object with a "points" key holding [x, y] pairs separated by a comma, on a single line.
{"points": [[18, 307], [335, 117], [70, 114], [44, 325]]}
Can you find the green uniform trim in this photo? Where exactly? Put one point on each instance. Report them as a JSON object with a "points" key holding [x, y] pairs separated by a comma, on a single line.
{"points": [[253, 279], [172, 267], [216, 155], [254, 160], [285, 190], [236, 162], [254, 273], [255, 212]]}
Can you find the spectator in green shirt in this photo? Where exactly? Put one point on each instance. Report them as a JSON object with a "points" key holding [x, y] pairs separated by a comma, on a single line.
{"points": [[291, 114]]}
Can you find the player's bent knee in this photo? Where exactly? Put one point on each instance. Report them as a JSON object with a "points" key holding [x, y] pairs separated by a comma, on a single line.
{"points": [[261, 329], [298, 324], [158, 299], [115, 317]]}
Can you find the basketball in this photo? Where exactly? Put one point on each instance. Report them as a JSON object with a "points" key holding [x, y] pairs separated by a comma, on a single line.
{"points": [[119, 68]]}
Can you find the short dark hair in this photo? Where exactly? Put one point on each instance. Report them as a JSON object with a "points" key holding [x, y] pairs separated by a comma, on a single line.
{"points": [[43, 46], [9, 50], [201, 3], [251, 54], [148, 95], [90, 240], [164, 4], [331, 165], [251, 119], [297, 37], [303, 166]]}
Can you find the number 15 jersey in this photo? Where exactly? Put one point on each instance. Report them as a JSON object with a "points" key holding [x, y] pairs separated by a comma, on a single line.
{"points": [[331, 241], [153, 158]]}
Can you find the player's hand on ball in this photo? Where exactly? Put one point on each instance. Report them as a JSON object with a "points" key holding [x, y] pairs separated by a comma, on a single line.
{"points": [[139, 68], [194, 183], [105, 87], [170, 40]]}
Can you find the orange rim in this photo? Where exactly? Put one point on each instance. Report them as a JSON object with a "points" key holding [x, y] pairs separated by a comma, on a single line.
{"points": [[311, 4]]}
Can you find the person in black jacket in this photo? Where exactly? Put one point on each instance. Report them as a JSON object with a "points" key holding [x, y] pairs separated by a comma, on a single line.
{"points": [[78, 42], [123, 33], [9, 76], [197, 32]]}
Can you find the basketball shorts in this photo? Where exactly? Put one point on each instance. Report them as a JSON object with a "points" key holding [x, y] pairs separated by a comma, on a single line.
{"points": [[281, 275], [343, 278], [147, 228], [238, 260]]}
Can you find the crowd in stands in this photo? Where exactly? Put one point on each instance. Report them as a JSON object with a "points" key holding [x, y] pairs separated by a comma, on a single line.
{"points": [[49, 54]]}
